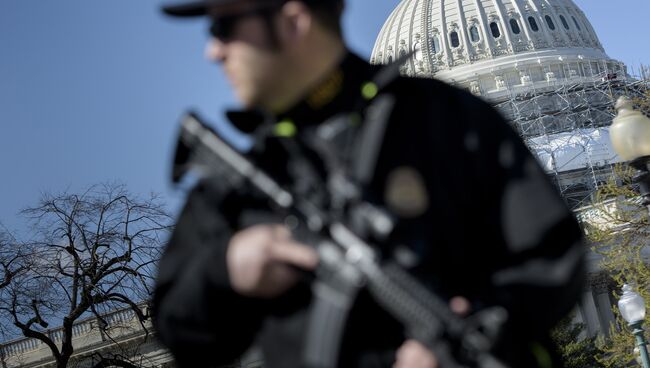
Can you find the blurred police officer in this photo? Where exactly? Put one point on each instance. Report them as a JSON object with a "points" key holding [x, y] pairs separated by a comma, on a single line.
{"points": [[471, 204]]}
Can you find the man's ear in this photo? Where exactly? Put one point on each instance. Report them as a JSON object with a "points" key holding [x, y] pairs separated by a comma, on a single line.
{"points": [[296, 21]]}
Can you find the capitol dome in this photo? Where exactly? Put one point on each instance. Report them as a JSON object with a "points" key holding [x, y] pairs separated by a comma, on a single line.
{"points": [[541, 65], [490, 46]]}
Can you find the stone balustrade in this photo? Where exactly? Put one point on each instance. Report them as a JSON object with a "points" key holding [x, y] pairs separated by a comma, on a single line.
{"points": [[122, 327]]}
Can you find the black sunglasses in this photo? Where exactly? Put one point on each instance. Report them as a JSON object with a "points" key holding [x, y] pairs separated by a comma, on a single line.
{"points": [[222, 28]]}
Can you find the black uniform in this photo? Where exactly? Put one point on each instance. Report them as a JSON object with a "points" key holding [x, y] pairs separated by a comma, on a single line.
{"points": [[480, 213]]}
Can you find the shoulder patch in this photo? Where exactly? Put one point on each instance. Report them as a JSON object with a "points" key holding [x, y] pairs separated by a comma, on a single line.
{"points": [[406, 193]]}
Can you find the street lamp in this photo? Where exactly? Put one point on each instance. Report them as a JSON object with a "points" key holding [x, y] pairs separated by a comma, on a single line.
{"points": [[632, 307], [630, 135]]}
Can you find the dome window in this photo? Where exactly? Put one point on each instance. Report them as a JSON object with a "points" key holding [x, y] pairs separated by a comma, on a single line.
{"points": [[564, 23], [515, 26], [453, 37], [533, 24], [473, 34], [576, 22], [435, 44], [494, 27], [550, 23]]}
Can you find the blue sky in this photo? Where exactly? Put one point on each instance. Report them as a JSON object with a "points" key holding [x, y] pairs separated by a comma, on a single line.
{"points": [[91, 91]]}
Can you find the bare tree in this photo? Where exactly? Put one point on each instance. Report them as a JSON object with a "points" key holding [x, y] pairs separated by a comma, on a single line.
{"points": [[9, 259], [11, 266], [93, 252]]}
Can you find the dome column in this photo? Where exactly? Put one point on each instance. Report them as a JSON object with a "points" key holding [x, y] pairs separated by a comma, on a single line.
{"points": [[463, 29], [568, 11], [559, 26], [505, 31], [487, 37], [445, 34], [524, 21], [542, 23]]}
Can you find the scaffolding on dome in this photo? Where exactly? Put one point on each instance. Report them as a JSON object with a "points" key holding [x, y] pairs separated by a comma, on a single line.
{"points": [[565, 123]]}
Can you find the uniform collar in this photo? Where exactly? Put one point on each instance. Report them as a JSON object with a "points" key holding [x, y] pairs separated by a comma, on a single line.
{"points": [[339, 91]]}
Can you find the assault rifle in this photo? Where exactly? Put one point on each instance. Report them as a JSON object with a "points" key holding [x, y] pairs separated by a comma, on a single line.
{"points": [[347, 264]]}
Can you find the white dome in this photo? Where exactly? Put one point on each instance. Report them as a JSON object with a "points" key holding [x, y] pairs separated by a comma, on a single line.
{"points": [[489, 46]]}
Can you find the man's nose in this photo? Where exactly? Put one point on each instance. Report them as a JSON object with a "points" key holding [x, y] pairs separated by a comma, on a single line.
{"points": [[215, 50]]}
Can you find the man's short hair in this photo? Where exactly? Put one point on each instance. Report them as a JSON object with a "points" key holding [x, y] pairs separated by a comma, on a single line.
{"points": [[328, 13]]}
